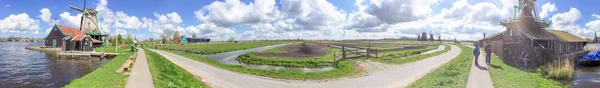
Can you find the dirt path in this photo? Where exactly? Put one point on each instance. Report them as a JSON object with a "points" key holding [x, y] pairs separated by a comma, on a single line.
{"points": [[393, 77], [479, 76], [140, 76]]}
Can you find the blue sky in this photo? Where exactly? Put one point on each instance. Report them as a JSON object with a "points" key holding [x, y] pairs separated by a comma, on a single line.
{"points": [[344, 21]]}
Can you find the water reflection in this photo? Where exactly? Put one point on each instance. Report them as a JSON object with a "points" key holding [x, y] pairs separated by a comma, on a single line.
{"points": [[26, 68]]}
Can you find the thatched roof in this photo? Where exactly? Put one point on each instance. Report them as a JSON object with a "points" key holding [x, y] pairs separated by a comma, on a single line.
{"points": [[566, 37]]}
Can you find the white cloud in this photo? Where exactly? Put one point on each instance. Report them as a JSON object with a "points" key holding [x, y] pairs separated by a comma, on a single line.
{"points": [[595, 24], [210, 31], [169, 22], [458, 10], [46, 16], [72, 21], [566, 22], [547, 8], [560, 20], [397, 11], [7, 5], [312, 14], [128, 22], [20, 23], [235, 12], [596, 16]]}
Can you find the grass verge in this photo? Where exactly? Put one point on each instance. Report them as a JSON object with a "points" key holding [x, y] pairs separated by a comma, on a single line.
{"points": [[505, 76], [344, 68], [412, 58], [404, 53], [165, 74], [453, 74], [104, 76]]}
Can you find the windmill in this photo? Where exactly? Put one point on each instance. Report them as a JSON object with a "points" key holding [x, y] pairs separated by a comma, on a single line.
{"points": [[89, 24]]}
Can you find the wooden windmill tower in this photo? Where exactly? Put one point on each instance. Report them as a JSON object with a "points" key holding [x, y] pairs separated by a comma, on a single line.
{"points": [[89, 24]]}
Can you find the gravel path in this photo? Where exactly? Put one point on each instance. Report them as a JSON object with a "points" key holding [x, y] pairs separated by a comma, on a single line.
{"points": [[393, 77], [479, 76], [140, 76]]}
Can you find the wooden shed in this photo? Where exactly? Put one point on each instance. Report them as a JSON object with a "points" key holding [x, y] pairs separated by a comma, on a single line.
{"points": [[70, 39]]}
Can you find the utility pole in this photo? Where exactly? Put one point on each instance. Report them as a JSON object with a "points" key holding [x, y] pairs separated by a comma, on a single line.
{"points": [[117, 38]]}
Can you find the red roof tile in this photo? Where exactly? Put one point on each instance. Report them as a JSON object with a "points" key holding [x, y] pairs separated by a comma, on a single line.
{"points": [[70, 31]]}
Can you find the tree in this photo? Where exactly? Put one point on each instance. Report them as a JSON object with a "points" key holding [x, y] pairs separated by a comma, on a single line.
{"points": [[128, 40], [231, 40], [120, 39], [176, 37]]}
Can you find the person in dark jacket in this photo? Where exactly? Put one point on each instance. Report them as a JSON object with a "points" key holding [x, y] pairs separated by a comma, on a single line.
{"points": [[488, 53], [476, 53]]}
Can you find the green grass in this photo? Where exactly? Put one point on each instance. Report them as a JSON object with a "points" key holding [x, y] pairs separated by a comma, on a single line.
{"points": [[105, 76], [505, 76], [215, 48], [344, 68], [165, 74], [405, 53], [318, 61], [453, 74], [112, 49], [402, 60]]}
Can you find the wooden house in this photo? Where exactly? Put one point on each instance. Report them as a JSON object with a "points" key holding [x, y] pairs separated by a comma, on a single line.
{"points": [[527, 35], [70, 39]]}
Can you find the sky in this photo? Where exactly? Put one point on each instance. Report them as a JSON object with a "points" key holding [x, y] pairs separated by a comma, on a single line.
{"points": [[291, 19]]}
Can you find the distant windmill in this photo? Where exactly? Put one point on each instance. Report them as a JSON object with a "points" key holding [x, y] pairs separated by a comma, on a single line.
{"points": [[89, 24]]}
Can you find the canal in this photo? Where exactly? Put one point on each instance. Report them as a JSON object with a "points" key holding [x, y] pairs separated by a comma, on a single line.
{"points": [[585, 77], [27, 68]]}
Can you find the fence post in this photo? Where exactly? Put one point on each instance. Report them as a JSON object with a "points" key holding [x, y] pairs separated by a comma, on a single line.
{"points": [[343, 52]]}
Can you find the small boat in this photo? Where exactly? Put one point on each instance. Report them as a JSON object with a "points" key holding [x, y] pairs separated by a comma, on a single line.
{"points": [[591, 59]]}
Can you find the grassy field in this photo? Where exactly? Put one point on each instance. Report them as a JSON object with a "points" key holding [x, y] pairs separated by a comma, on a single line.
{"points": [[105, 76], [165, 74], [402, 60], [215, 48], [112, 49], [344, 68], [318, 61], [505, 76], [404, 53], [453, 74]]}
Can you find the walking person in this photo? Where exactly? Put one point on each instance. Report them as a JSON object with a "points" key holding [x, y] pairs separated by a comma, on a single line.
{"points": [[488, 53], [476, 53]]}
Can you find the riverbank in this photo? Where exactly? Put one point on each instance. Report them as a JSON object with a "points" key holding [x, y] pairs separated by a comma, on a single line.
{"points": [[105, 76], [505, 76]]}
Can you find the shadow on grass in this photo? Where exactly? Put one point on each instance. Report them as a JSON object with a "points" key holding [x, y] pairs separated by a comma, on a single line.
{"points": [[496, 67]]}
